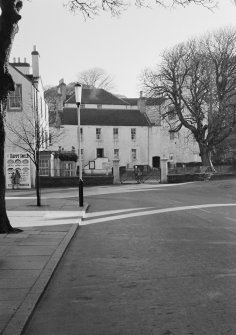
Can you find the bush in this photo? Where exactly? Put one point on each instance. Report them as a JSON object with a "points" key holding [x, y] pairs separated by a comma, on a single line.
{"points": [[67, 156]]}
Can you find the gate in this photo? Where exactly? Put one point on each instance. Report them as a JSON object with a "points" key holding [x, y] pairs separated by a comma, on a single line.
{"points": [[148, 175]]}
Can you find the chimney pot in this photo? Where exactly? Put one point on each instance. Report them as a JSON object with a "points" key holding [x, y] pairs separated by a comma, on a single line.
{"points": [[18, 59], [141, 94], [14, 59]]}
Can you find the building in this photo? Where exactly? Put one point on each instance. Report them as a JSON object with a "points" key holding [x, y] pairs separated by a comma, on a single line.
{"points": [[117, 128], [26, 120]]}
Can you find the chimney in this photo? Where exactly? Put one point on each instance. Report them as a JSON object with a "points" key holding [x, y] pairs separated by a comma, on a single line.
{"points": [[142, 103], [61, 89], [22, 67], [35, 63]]}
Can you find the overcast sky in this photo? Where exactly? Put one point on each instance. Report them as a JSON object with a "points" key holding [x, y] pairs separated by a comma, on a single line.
{"points": [[123, 46]]}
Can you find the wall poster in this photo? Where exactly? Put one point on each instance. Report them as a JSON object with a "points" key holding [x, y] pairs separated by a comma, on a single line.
{"points": [[21, 162]]}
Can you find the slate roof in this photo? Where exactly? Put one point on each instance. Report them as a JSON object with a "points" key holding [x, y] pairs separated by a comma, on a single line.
{"points": [[27, 76], [97, 96], [104, 117], [132, 101]]}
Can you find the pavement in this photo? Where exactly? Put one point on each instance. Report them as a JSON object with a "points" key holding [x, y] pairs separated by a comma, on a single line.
{"points": [[135, 272], [28, 259]]}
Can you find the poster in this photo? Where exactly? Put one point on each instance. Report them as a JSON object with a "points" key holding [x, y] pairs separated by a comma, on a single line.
{"points": [[21, 162]]}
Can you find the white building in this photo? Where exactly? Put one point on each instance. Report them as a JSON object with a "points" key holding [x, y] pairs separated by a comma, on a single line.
{"points": [[126, 129], [26, 111]]}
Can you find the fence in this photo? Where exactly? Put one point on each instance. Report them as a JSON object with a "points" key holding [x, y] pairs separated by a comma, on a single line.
{"points": [[148, 174]]}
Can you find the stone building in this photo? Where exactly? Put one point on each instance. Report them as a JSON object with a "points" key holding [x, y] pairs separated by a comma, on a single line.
{"points": [[27, 112]]}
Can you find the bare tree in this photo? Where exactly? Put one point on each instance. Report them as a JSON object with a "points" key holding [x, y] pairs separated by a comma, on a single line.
{"points": [[198, 80], [31, 135], [9, 19], [96, 78]]}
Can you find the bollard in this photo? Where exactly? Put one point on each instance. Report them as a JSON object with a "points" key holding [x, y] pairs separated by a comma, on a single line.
{"points": [[81, 193]]}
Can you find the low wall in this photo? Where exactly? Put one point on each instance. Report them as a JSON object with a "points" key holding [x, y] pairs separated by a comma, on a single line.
{"points": [[74, 181], [183, 178]]}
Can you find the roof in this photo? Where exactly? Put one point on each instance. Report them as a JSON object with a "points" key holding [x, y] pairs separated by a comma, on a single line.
{"points": [[104, 117], [132, 101], [26, 76], [97, 96], [20, 64]]}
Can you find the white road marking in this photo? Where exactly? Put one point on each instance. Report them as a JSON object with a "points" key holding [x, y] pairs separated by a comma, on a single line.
{"points": [[178, 202], [89, 215], [19, 197], [231, 219], [203, 210], [151, 212]]}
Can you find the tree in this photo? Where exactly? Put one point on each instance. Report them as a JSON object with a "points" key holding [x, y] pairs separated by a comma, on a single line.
{"points": [[96, 77], [9, 18], [32, 135], [198, 80]]}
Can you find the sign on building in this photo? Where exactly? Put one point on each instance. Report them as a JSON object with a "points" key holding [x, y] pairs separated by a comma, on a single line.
{"points": [[21, 162]]}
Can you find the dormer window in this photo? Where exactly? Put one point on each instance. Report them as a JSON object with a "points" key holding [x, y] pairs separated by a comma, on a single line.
{"points": [[15, 98]]}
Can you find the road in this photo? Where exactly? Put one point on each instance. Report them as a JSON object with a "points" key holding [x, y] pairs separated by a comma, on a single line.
{"points": [[147, 260]]}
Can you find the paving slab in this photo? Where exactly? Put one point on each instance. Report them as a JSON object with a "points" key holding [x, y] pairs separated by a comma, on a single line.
{"points": [[28, 259], [25, 270]]}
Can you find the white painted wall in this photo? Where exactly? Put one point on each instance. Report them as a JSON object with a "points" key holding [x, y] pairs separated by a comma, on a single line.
{"points": [[26, 115], [90, 144]]}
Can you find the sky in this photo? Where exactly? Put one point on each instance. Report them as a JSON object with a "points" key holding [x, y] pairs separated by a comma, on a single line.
{"points": [[122, 46]]}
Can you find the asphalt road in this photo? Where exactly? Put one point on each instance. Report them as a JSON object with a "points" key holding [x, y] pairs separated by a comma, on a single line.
{"points": [[158, 260]]}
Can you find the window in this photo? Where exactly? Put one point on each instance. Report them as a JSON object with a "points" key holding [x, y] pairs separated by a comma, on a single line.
{"points": [[133, 134], [115, 133], [98, 133], [116, 153], [100, 152], [15, 98], [44, 167], [68, 169], [134, 154]]}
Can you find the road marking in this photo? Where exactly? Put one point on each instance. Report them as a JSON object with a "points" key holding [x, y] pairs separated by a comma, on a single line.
{"points": [[204, 210], [151, 212], [231, 219], [89, 215]]}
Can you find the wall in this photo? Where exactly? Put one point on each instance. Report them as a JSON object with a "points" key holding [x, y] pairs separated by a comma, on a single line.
{"points": [[25, 118], [182, 149], [74, 181], [90, 144]]}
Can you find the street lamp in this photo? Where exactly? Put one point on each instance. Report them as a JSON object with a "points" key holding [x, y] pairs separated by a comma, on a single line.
{"points": [[78, 92]]}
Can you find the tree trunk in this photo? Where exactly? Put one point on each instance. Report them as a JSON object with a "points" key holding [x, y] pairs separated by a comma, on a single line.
{"points": [[8, 28], [205, 155], [5, 226]]}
